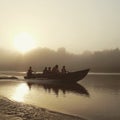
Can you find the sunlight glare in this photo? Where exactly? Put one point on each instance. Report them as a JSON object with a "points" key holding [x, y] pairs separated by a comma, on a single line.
{"points": [[24, 42], [20, 92]]}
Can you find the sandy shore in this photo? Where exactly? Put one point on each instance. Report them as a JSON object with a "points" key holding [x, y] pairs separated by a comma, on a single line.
{"points": [[10, 110]]}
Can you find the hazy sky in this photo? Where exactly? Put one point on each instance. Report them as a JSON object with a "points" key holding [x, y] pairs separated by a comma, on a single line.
{"points": [[77, 25]]}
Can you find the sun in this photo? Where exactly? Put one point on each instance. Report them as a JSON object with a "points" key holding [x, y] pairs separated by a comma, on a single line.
{"points": [[24, 42]]}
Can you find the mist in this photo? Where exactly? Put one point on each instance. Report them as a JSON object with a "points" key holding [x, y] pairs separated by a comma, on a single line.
{"points": [[99, 61]]}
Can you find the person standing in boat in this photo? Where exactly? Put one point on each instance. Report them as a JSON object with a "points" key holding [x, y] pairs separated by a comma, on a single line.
{"points": [[29, 72], [55, 69], [63, 70]]}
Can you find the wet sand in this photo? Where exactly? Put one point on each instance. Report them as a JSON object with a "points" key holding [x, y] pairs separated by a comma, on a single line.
{"points": [[10, 110]]}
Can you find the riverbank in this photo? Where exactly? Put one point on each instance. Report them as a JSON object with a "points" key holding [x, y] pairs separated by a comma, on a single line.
{"points": [[19, 111]]}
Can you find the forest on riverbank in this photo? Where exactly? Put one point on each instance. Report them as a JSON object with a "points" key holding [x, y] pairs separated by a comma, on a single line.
{"points": [[98, 61]]}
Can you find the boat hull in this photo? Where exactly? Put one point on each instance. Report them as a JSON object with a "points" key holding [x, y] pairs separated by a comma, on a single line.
{"points": [[59, 78]]}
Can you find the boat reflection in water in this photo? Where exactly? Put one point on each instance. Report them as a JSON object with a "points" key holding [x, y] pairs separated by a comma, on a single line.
{"points": [[57, 88]]}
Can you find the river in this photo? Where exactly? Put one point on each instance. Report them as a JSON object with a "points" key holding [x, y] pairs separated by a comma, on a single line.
{"points": [[96, 97]]}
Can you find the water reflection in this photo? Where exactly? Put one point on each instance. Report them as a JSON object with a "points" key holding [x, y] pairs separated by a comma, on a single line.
{"points": [[65, 88], [20, 92]]}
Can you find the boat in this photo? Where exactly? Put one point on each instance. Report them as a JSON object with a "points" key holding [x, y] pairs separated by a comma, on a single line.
{"points": [[70, 77]]}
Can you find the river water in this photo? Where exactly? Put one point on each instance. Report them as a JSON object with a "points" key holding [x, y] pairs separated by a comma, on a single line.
{"points": [[96, 97]]}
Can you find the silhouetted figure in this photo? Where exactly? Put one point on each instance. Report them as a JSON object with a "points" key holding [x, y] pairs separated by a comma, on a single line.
{"points": [[63, 70], [55, 69], [45, 71], [49, 70], [29, 72]]}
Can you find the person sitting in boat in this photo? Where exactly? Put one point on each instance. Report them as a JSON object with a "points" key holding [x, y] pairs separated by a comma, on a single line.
{"points": [[49, 70], [55, 69], [45, 71], [63, 70], [29, 72]]}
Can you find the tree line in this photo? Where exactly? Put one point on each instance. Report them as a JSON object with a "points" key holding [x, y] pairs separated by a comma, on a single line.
{"points": [[98, 61]]}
